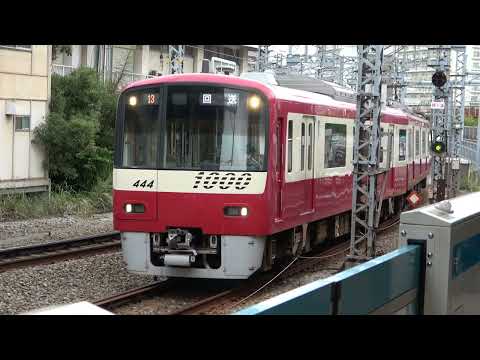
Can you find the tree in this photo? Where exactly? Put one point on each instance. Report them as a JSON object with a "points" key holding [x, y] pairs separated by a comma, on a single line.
{"points": [[66, 49], [78, 133]]}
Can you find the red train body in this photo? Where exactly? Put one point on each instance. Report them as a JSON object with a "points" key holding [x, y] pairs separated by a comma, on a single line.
{"points": [[280, 183]]}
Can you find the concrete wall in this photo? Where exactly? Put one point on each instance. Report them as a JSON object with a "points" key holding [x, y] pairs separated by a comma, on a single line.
{"points": [[25, 83]]}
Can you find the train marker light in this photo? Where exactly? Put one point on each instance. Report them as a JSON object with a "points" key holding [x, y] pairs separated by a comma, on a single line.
{"points": [[253, 102], [135, 208], [439, 78], [132, 100], [235, 211]]}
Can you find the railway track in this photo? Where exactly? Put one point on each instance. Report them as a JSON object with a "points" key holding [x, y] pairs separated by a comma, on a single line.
{"points": [[131, 295], [226, 299], [232, 297], [46, 253]]}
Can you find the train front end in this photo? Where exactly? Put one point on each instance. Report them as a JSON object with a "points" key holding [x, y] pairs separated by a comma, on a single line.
{"points": [[190, 177]]}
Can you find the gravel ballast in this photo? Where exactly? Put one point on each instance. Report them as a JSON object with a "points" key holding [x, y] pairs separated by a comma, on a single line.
{"points": [[36, 231], [91, 278]]}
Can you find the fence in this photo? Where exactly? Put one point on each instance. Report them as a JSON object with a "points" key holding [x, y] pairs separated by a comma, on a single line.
{"points": [[62, 70], [390, 284]]}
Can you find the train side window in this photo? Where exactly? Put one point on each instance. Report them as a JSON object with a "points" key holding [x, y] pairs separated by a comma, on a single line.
{"points": [[310, 145], [402, 144], [424, 143], [410, 145], [290, 145], [302, 148], [335, 145], [353, 134], [382, 141], [417, 142]]}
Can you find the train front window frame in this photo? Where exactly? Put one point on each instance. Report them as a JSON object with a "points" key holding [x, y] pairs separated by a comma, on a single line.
{"points": [[253, 136]]}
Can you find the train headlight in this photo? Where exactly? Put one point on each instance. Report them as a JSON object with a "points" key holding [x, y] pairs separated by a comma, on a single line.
{"points": [[132, 100], [253, 102], [235, 211], [128, 208]]}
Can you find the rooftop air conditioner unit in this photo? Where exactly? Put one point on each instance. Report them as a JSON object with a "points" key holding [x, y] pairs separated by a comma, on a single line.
{"points": [[10, 108]]}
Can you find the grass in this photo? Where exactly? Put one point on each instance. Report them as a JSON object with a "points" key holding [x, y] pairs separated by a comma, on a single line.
{"points": [[62, 202], [471, 182]]}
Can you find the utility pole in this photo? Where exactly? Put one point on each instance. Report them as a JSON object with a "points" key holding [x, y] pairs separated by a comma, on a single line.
{"points": [[457, 113], [176, 54], [262, 58], [441, 64], [366, 153]]}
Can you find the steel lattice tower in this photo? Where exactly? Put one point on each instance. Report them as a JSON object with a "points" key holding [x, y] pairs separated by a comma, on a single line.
{"points": [[456, 118], [366, 150], [441, 63], [176, 54], [262, 58]]}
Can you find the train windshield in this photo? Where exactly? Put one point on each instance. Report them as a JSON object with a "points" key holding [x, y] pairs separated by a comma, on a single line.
{"points": [[214, 128], [202, 128]]}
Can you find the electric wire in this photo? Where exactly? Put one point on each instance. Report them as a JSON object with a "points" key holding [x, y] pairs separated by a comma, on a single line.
{"points": [[265, 285]]}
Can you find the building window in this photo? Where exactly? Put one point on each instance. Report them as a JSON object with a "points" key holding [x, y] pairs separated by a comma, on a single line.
{"points": [[335, 145], [402, 144], [22, 123], [302, 149], [290, 144], [188, 51], [476, 53]]}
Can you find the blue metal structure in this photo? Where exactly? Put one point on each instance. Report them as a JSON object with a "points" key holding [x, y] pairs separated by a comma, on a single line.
{"points": [[384, 285]]}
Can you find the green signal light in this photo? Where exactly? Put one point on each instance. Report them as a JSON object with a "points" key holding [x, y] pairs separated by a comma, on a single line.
{"points": [[438, 147]]}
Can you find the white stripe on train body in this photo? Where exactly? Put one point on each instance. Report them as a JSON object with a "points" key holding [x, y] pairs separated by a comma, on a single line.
{"points": [[183, 181]]}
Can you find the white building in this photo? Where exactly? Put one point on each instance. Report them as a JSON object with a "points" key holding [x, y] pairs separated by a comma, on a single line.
{"points": [[24, 99], [137, 62]]}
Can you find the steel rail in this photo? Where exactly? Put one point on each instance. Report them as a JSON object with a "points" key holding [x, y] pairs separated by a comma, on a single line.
{"points": [[22, 256]]}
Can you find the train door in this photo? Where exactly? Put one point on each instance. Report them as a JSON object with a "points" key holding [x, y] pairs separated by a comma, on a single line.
{"points": [[308, 128], [278, 168], [387, 131]]}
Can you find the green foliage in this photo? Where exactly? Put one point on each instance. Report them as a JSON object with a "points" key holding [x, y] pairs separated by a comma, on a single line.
{"points": [[63, 201], [470, 183], [471, 121], [78, 133], [67, 49]]}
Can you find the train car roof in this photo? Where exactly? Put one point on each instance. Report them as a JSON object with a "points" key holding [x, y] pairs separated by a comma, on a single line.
{"points": [[274, 91]]}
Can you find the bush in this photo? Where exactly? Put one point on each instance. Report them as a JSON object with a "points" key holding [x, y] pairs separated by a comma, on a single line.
{"points": [[78, 134], [63, 201], [471, 121]]}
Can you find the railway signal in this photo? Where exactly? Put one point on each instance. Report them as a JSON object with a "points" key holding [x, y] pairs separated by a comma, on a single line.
{"points": [[439, 147], [441, 64], [439, 78]]}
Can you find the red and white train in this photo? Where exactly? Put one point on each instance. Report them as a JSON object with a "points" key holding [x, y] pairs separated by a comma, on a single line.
{"points": [[219, 176]]}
